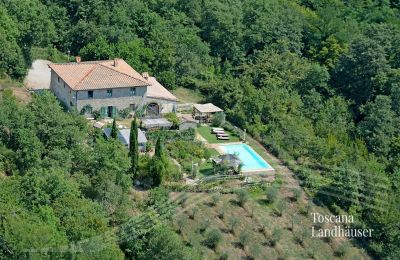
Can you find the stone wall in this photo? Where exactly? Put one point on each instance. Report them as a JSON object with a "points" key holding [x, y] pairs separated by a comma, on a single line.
{"points": [[121, 98], [62, 91], [166, 106], [187, 125]]}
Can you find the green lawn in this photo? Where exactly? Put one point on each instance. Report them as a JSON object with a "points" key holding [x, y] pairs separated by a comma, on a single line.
{"points": [[205, 132]]}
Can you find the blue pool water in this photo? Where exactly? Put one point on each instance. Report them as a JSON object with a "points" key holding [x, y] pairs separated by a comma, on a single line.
{"points": [[251, 160]]}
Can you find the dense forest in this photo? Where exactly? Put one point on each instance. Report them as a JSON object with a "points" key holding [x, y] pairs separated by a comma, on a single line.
{"points": [[316, 81]]}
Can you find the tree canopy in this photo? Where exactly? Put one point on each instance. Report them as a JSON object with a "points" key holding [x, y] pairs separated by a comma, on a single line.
{"points": [[317, 82]]}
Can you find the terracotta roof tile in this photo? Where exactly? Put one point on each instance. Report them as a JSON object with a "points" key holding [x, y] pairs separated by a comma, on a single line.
{"points": [[98, 74], [156, 90]]}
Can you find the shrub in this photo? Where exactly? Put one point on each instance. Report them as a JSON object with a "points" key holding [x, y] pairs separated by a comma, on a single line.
{"points": [[124, 113], [181, 222], [173, 172], [255, 251], [204, 225], [187, 151], [261, 228], [242, 197], [218, 119], [250, 211], [215, 198], [296, 194], [244, 239], [279, 208], [86, 109], [221, 213], [183, 199], [276, 236], [97, 115], [294, 220], [158, 199], [305, 208], [149, 146], [299, 236], [192, 212], [232, 222], [174, 119], [342, 249], [213, 237], [223, 256], [312, 249], [328, 239], [271, 194]]}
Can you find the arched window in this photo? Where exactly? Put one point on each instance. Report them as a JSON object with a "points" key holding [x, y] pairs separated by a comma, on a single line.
{"points": [[153, 109]]}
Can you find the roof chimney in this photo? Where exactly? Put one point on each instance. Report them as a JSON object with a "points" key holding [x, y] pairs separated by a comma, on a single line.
{"points": [[78, 59], [145, 75], [115, 62]]}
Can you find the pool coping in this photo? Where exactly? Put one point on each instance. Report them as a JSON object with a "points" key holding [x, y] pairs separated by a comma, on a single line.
{"points": [[255, 171]]}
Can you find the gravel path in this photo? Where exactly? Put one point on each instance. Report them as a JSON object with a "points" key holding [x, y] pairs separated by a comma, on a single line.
{"points": [[38, 75]]}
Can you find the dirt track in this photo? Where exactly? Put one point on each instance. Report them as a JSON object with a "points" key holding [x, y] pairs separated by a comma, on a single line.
{"points": [[38, 75]]}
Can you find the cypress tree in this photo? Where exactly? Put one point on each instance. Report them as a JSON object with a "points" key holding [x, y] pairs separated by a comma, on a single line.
{"points": [[134, 147], [159, 149], [114, 130], [158, 164]]}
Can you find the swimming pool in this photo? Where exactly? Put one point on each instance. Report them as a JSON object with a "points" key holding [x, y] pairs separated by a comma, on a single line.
{"points": [[251, 160]]}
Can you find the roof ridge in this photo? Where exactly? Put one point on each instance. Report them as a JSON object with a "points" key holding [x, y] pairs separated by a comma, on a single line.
{"points": [[123, 73], [81, 62], [86, 75]]}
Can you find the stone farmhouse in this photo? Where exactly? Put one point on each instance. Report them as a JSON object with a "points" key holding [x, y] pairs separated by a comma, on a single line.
{"points": [[107, 87]]}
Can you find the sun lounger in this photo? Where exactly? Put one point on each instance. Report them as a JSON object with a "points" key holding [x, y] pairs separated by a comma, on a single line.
{"points": [[223, 137], [216, 129], [218, 132]]}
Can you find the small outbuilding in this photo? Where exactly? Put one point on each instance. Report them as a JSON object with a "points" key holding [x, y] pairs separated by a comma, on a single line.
{"points": [[123, 136], [98, 124], [187, 122], [156, 123], [204, 112]]}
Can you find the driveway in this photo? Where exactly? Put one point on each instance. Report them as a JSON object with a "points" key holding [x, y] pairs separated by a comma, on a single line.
{"points": [[38, 76]]}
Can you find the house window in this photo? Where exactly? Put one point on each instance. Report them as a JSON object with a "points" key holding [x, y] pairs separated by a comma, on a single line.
{"points": [[90, 94], [109, 92], [133, 91], [132, 107], [64, 85], [58, 79]]}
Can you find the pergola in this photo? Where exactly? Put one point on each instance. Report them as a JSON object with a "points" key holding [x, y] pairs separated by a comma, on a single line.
{"points": [[204, 112]]}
